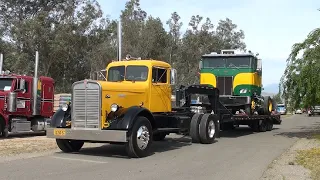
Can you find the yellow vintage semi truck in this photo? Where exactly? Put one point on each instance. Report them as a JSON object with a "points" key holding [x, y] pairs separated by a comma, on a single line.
{"points": [[132, 106]]}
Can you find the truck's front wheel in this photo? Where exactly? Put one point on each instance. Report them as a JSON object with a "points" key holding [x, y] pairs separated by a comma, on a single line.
{"points": [[140, 138], [69, 145]]}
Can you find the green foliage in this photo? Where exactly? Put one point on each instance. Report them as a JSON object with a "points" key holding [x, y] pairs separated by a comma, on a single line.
{"points": [[74, 39], [301, 77]]}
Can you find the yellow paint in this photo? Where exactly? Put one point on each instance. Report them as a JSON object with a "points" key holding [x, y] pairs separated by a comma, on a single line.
{"points": [[247, 79], [270, 106], [39, 85], [154, 96], [253, 104], [208, 78]]}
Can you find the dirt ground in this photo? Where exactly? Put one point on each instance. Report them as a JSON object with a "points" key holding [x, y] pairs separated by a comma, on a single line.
{"points": [[22, 147], [286, 167]]}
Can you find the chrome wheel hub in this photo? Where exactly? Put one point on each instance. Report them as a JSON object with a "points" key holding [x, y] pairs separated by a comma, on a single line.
{"points": [[211, 129], [143, 137]]}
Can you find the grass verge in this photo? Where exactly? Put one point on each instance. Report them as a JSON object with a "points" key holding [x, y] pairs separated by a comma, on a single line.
{"points": [[310, 159]]}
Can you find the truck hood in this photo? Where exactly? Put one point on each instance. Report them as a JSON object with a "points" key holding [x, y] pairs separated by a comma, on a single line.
{"points": [[124, 94], [125, 86]]}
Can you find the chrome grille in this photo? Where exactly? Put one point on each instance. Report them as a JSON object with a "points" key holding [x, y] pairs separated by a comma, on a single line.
{"points": [[86, 105]]}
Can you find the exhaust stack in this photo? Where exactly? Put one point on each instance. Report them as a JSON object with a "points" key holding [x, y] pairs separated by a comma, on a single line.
{"points": [[119, 39], [35, 97], [1, 63]]}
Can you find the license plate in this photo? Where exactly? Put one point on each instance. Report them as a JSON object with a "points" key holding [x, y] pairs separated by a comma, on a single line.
{"points": [[59, 132]]}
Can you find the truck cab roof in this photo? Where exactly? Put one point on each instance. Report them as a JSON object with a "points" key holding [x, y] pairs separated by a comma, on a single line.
{"points": [[148, 63]]}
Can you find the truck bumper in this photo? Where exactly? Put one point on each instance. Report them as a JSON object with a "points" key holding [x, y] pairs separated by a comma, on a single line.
{"points": [[234, 100], [87, 135]]}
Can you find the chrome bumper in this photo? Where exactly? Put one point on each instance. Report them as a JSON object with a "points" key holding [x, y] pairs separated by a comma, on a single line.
{"points": [[87, 135]]}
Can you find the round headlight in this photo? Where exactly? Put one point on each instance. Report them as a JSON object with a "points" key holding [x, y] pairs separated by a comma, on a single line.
{"points": [[64, 107], [114, 107]]}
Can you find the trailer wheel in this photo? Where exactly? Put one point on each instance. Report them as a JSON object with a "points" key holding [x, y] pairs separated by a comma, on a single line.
{"points": [[68, 146], [269, 125], [208, 128], [263, 126], [140, 138], [194, 128]]}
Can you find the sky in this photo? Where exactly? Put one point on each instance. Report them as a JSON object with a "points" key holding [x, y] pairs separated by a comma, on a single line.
{"points": [[271, 27]]}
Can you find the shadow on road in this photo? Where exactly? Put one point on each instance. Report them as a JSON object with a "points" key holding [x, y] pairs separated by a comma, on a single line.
{"points": [[24, 135], [118, 150], [238, 132], [302, 131], [169, 144]]}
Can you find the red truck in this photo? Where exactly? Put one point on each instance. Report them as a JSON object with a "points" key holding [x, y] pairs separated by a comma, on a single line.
{"points": [[26, 102]]}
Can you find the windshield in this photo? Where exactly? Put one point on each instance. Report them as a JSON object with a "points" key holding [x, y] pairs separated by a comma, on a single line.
{"points": [[227, 62], [5, 84], [130, 73], [280, 108], [116, 73]]}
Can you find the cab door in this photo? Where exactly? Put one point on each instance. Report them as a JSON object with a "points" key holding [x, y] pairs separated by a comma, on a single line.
{"points": [[23, 89], [160, 90]]}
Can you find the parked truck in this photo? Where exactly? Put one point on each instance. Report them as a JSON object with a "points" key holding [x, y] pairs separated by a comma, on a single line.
{"points": [[26, 102], [238, 76]]}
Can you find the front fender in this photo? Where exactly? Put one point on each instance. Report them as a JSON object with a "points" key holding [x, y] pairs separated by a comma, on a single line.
{"points": [[128, 115], [60, 117]]}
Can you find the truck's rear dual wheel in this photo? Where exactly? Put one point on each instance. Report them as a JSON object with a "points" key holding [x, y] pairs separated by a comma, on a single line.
{"points": [[204, 128], [259, 127], [140, 138], [69, 145]]}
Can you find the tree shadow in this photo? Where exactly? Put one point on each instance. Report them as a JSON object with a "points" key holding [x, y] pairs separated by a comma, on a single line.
{"points": [[307, 132]]}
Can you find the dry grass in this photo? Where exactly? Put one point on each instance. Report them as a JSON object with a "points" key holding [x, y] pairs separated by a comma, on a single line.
{"points": [[21, 145], [310, 159]]}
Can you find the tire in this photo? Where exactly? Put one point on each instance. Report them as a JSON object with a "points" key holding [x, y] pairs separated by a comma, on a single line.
{"points": [[269, 125], [263, 126], [4, 131], [208, 128], [255, 126], [267, 105], [159, 136], [68, 146], [194, 128], [141, 130]]}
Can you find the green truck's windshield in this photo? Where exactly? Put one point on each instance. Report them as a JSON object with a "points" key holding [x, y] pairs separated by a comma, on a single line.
{"points": [[227, 62]]}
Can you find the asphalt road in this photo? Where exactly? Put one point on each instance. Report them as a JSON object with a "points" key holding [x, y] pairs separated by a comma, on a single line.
{"points": [[239, 154]]}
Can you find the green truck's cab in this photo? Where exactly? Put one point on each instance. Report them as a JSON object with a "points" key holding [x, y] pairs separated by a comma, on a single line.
{"points": [[238, 78]]}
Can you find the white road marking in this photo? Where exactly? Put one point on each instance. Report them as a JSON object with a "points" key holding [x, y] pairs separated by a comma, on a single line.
{"points": [[76, 159]]}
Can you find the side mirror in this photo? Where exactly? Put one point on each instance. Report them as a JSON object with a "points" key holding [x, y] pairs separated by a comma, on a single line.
{"points": [[173, 76], [22, 84], [200, 65]]}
